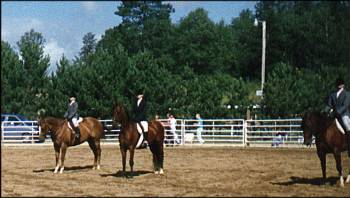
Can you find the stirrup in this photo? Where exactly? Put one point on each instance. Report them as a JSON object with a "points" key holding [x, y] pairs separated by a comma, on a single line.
{"points": [[144, 144], [77, 137]]}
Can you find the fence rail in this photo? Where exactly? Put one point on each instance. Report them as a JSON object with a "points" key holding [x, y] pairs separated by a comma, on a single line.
{"points": [[238, 132]]}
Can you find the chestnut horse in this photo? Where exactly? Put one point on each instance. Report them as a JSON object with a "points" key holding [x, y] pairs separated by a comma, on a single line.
{"points": [[129, 136], [91, 130], [328, 140]]}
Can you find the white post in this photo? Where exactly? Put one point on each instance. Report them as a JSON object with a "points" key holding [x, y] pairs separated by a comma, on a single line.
{"points": [[182, 132], [263, 55]]}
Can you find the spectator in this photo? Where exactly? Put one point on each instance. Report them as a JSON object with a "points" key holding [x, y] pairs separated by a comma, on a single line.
{"points": [[172, 124], [199, 128], [277, 140]]}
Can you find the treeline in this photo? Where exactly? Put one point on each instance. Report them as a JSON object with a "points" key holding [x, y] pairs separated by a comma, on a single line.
{"points": [[195, 65]]}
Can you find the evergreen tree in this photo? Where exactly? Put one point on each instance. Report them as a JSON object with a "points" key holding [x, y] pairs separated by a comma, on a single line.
{"points": [[35, 64]]}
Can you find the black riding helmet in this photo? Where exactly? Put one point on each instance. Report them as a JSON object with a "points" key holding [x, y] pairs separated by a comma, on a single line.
{"points": [[140, 91], [339, 81], [72, 95]]}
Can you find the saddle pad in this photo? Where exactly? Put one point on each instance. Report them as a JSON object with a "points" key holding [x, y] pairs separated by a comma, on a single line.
{"points": [[339, 126]]}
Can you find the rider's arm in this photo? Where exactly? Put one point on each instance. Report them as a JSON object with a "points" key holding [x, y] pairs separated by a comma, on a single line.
{"points": [[345, 106]]}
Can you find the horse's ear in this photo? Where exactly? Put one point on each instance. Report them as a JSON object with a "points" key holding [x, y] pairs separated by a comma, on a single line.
{"points": [[40, 113]]}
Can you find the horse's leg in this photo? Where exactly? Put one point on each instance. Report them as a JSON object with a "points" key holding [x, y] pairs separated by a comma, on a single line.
{"points": [[155, 161], [337, 156], [98, 148], [131, 160], [123, 152], [348, 178], [160, 157], [322, 157], [57, 155], [94, 150], [63, 154], [155, 164]]}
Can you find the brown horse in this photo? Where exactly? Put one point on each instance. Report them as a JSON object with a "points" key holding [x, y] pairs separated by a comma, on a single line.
{"points": [[129, 136], [328, 140], [91, 130]]}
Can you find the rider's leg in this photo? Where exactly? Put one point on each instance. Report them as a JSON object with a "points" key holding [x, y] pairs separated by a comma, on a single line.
{"points": [[145, 131], [346, 122], [76, 128]]}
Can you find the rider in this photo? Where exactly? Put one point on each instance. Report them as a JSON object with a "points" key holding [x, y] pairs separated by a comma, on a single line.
{"points": [[139, 115], [339, 103], [72, 115]]}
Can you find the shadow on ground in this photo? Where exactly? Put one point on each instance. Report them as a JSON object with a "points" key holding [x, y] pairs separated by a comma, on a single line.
{"points": [[312, 181], [72, 168], [128, 174]]}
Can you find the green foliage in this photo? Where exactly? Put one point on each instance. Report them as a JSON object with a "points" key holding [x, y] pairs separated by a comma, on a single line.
{"points": [[25, 80], [192, 66], [198, 46], [89, 47], [12, 72]]}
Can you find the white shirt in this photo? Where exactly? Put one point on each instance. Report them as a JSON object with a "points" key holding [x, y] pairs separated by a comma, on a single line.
{"points": [[172, 122], [340, 90], [138, 101]]}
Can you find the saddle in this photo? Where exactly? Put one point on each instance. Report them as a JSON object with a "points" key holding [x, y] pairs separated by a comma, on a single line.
{"points": [[79, 120]]}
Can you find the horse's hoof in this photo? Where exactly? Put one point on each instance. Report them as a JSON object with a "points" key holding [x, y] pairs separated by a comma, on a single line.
{"points": [[341, 182], [156, 172], [161, 172], [348, 179], [98, 167], [93, 168]]}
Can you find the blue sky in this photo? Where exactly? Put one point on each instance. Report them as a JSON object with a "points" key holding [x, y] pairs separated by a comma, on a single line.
{"points": [[64, 23]]}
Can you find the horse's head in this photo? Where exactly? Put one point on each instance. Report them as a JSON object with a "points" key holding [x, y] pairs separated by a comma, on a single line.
{"points": [[43, 128], [312, 124], [307, 127], [119, 114]]}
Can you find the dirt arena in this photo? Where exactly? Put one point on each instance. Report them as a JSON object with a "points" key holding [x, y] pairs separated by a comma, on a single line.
{"points": [[189, 171]]}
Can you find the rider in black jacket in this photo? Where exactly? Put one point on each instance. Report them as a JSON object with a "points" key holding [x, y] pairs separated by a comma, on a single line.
{"points": [[72, 115], [139, 115]]}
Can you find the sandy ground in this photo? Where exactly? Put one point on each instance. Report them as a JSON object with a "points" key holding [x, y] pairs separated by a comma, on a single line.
{"points": [[189, 171]]}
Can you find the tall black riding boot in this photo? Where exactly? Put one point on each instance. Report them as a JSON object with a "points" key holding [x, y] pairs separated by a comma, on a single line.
{"points": [[77, 133], [145, 139], [348, 140]]}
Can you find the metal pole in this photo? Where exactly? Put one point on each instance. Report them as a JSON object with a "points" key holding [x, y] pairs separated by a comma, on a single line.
{"points": [[263, 56]]}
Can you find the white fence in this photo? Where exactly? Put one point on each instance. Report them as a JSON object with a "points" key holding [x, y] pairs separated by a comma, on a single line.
{"points": [[236, 132]]}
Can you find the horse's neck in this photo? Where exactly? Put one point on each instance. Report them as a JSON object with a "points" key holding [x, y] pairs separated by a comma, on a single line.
{"points": [[125, 121], [55, 123]]}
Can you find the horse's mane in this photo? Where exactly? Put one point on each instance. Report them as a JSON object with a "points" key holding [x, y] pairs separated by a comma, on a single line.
{"points": [[53, 120], [318, 120]]}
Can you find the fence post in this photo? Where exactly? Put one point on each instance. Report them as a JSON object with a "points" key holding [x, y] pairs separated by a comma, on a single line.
{"points": [[183, 131], [2, 133], [245, 130]]}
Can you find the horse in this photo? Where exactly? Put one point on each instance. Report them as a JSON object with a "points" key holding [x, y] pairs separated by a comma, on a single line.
{"points": [[129, 137], [91, 130], [328, 139]]}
